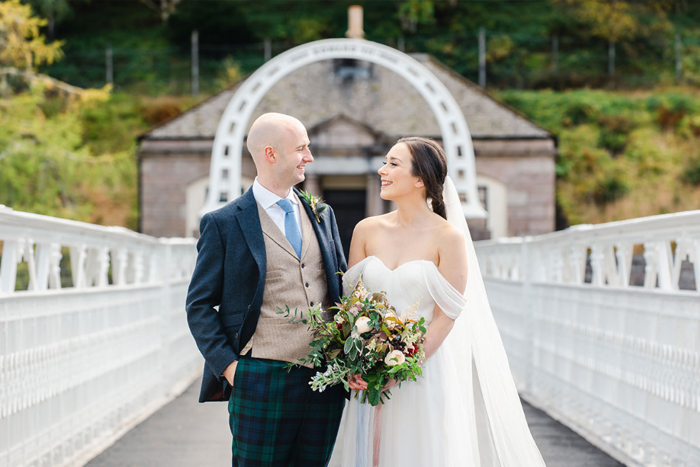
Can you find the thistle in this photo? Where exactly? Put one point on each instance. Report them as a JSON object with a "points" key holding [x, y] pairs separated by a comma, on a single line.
{"points": [[316, 204]]}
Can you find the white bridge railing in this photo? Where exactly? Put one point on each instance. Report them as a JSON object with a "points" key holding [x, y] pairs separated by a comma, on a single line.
{"points": [[93, 335], [615, 361]]}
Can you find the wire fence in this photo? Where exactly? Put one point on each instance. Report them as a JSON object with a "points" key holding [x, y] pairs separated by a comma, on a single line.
{"points": [[490, 59]]}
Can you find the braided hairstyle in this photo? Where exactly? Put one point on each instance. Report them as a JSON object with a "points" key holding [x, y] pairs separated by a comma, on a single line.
{"points": [[430, 165]]}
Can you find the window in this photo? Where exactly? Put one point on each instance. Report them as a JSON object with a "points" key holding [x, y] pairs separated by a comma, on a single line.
{"points": [[349, 68], [484, 197]]}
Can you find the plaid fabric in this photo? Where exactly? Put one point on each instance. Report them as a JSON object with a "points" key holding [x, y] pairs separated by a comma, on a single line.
{"points": [[277, 420]]}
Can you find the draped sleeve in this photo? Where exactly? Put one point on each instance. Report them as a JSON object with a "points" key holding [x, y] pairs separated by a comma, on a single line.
{"points": [[449, 299]]}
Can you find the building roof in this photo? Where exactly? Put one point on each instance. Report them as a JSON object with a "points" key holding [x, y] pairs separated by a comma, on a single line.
{"points": [[385, 102]]}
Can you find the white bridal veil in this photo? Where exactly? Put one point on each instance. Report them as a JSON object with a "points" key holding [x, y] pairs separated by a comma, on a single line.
{"points": [[501, 431]]}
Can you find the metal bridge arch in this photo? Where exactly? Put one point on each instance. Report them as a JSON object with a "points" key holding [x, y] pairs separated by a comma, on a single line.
{"points": [[225, 171]]}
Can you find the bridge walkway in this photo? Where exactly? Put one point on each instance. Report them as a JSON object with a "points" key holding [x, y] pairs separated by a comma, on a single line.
{"points": [[185, 433]]}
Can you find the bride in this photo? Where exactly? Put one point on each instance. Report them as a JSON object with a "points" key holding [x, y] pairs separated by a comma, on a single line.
{"points": [[465, 410]]}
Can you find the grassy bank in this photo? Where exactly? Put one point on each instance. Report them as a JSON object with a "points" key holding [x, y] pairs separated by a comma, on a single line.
{"points": [[621, 154]]}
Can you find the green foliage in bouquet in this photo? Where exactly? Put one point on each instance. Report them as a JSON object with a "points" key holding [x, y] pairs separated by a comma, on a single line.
{"points": [[368, 338]]}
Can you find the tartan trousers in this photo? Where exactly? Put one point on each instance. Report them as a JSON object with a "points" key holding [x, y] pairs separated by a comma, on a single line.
{"points": [[277, 420]]}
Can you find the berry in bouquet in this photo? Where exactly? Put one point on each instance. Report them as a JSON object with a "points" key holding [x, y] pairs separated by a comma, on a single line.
{"points": [[366, 337]]}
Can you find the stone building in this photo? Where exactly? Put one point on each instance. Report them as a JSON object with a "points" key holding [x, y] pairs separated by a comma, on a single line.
{"points": [[354, 111]]}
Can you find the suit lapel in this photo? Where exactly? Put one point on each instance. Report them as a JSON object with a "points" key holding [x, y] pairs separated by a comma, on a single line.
{"points": [[307, 232], [249, 220], [320, 232], [327, 252]]}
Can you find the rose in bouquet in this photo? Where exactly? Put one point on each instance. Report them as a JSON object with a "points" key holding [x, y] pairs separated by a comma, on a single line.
{"points": [[366, 337]]}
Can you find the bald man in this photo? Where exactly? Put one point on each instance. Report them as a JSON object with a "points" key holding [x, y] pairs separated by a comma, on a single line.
{"points": [[259, 254]]}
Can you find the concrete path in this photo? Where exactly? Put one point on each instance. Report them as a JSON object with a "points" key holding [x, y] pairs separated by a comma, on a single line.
{"points": [[185, 433]]}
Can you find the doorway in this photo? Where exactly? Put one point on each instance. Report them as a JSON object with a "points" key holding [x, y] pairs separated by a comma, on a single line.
{"points": [[349, 207]]}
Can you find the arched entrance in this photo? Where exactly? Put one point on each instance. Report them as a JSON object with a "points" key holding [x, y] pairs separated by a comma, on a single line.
{"points": [[225, 171]]}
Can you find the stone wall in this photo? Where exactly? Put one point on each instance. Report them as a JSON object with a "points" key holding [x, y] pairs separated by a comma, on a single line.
{"points": [[164, 180], [527, 168], [166, 169]]}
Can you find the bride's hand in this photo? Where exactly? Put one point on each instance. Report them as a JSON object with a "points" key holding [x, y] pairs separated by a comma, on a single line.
{"points": [[357, 383], [390, 384]]}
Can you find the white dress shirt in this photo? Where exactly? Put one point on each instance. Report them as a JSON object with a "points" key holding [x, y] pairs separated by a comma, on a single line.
{"points": [[268, 201]]}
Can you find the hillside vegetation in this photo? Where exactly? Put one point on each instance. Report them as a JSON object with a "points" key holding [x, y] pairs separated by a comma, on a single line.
{"points": [[624, 153], [621, 154], [75, 157]]}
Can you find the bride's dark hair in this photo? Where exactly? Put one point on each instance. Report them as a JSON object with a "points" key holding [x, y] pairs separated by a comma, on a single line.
{"points": [[430, 165]]}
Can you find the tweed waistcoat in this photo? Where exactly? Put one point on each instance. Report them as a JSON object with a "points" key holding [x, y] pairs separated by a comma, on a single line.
{"points": [[298, 283]]}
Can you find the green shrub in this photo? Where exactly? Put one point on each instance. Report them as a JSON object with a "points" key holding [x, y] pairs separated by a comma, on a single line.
{"points": [[113, 125], [578, 112], [691, 174], [689, 127], [609, 189], [671, 108], [614, 132], [48, 165]]}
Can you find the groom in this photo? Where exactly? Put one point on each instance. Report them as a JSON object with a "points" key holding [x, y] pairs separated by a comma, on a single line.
{"points": [[258, 254]]}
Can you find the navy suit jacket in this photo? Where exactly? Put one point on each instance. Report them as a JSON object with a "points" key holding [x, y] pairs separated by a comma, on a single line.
{"points": [[230, 274]]}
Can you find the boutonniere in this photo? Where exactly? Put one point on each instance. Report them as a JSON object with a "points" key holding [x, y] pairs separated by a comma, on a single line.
{"points": [[315, 203]]}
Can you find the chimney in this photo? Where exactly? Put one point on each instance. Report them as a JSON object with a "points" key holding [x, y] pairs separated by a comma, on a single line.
{"points": [[355, 23]]}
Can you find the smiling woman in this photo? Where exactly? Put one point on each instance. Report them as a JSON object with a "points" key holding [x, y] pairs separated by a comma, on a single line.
{"points": [[418, 156]]}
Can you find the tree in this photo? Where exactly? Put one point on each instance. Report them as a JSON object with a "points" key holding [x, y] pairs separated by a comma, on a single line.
{"points": [[47, 166], [22, 46], [53, 10], [413, 12], [164, 7], [617, 20]]}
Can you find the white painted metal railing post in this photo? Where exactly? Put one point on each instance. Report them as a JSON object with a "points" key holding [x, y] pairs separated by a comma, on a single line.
{"points": [[165, 257], [8, 267], [528, 312]]}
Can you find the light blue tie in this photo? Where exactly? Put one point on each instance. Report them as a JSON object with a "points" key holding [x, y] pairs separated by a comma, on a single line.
{"points": [[291, 229]]}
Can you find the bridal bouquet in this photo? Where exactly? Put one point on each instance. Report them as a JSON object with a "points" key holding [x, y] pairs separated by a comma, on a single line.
{"points": [[368, 338]]}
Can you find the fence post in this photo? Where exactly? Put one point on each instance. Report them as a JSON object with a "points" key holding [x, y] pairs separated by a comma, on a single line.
{"points": [[109, 74], [401, 45], [679, 64], [482, 57], [268, 49], [611, 59], [195, 63], [555, 54]]}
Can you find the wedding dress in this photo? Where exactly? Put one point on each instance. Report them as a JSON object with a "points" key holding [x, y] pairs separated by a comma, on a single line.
{"points": [[464, 411]]}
